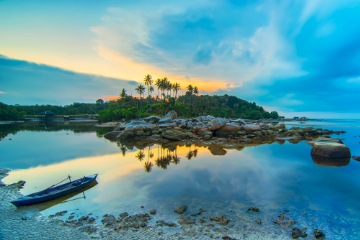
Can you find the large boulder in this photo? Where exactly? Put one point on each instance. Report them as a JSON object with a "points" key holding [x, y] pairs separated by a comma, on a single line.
{"points": [[229, 129], [330, 150], [217, 123], [169, 117], [174, 135], [199, 126]]}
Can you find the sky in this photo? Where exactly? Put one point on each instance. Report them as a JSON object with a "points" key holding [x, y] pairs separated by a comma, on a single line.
{"points": [[300, 57]]}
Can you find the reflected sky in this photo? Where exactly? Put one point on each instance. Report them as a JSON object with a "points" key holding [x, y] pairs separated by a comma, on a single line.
{"points": [[271, 176]]}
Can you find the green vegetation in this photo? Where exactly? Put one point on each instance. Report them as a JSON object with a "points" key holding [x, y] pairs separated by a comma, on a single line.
{"points": [[191, 104]]}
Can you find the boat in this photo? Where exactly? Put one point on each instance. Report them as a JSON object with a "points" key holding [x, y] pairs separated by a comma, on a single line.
{"points": [[55, 191]]}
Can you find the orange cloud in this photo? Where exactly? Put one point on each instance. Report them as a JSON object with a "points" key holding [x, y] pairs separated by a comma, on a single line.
{"points": [[130, 69]]}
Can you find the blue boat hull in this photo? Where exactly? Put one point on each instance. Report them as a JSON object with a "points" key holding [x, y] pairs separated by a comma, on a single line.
{"points": [[54, 192]]}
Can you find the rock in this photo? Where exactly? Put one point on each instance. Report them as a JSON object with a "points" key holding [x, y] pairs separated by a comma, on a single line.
{"points": [[297, 233], [172, 114], [108, 220], [258, 221], [239, 121], [186, 221], [135, 221], [169, 124], [181, 209], [162, 223], [217, 150], [126, 135], [136, 125], [205, 118], [123, 215], [174, 135], [251, 127], [324, 140], [330, 150], [205, 134], [227, 238], [120, 126], [62, 213], [229, 129], [217, 123], [88, 229], [356, 158], [222, 220], [284, 221], [153, 211], [253, 209], [199, 127], [279, 126], [319, 234], [112, 135], [152, 119], [20, 184]]}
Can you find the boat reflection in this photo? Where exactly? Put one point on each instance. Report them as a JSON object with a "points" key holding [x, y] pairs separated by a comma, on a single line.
{"points": [[330, 162], [66, 198]]}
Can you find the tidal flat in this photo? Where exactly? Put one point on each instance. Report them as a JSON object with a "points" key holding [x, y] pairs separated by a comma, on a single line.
{"points": [[268, 191]]}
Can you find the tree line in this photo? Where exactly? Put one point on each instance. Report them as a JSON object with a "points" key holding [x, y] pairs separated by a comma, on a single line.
{"points": [[166, 98]]}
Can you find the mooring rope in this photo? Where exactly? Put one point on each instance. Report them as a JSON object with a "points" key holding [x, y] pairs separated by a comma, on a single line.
{"points": [[60, 182]]}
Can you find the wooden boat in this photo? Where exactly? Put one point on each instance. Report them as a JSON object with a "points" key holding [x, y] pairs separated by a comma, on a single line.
{"points": [[55, 192]]}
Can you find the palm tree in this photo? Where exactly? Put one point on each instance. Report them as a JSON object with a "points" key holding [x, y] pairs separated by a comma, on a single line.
{"points": [[190, 89], [196, 90], [148, 82], [140, 89], [151, 90], [176, 88], [158, 84]]}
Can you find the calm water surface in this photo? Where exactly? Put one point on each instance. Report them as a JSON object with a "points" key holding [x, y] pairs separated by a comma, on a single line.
{"points": [[273, 177]]}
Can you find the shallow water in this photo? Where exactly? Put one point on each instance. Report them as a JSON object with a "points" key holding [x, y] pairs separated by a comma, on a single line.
{"points": [[273, 177]]}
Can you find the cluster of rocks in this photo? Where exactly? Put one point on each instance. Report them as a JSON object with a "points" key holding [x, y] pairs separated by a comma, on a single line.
{"points": [[171, 128]]}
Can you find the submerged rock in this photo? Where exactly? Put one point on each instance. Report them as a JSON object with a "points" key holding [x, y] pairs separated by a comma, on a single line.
{"points": [[253, 209], [181, 209], [356, 158], [222, 220], [162, 223], [319, 234], [297, 233]]}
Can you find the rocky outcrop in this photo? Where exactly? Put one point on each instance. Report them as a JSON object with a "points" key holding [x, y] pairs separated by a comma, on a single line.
{"points": [[208, 128]]}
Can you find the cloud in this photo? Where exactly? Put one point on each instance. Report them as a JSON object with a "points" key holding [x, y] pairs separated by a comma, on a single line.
{"points": [[28, 83], [240, 43]]}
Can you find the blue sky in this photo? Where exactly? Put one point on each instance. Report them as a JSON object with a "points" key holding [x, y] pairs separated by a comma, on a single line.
{"points": [[295, 57]]}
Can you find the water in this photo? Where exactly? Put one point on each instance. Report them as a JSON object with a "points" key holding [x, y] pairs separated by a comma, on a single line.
{"points": [[274, 177]]}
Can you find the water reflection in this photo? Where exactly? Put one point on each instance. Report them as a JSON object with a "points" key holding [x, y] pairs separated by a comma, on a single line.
{"points": [[330, 162]]}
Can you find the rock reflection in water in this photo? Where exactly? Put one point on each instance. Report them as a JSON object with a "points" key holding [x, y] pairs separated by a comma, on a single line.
{"points": [[330, 162]]}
